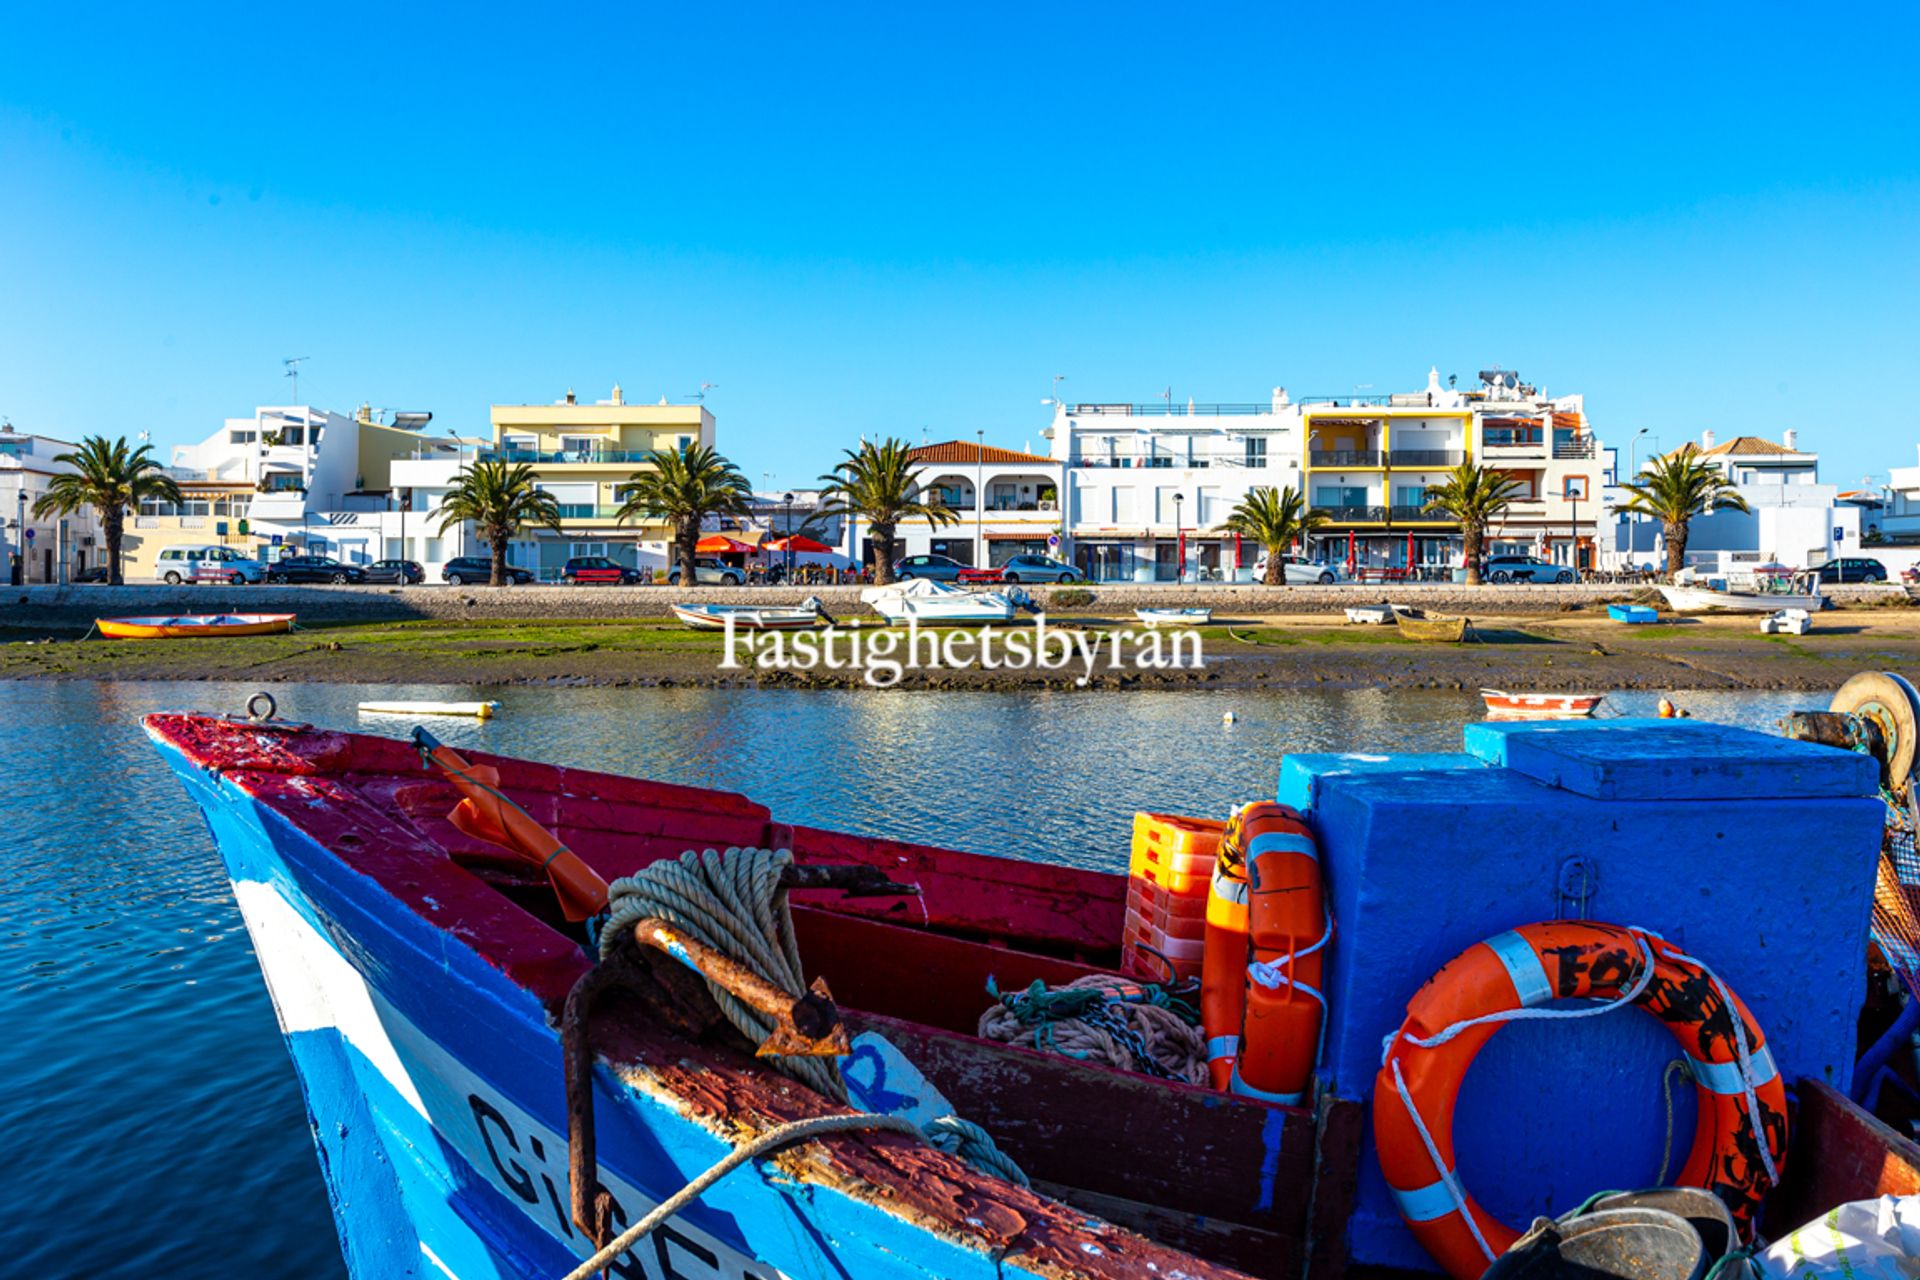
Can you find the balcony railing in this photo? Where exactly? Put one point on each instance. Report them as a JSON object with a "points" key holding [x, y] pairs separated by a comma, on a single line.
{"points": [[566, 455], [1345, 457], [1497, 438], [1163, 409], [1573, 448], [1167, 462], [1426, 457], [1354, 515], [1418, 513]]}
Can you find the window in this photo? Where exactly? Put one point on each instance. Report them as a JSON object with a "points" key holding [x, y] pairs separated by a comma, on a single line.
{"points": [[1409, 495], [1576, 488], [1256, 451], [1122, 506], [240, 437], [579, 445]]}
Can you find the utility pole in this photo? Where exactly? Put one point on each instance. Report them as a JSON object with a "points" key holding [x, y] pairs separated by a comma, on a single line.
{"points": [[980, 498]]}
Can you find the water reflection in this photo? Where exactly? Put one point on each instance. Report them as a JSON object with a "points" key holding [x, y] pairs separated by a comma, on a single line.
{"points": [[142, 1059]]}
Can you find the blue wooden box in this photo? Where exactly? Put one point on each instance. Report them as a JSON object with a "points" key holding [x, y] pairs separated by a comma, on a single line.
{"points": [[1754, 853]]}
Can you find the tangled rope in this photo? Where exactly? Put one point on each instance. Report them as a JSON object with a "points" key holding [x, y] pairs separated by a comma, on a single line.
{"points": [[1101, 1018], [734, 903]]}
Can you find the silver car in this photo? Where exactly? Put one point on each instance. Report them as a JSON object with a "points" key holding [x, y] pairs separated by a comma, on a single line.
{"points": [[708, 572]]}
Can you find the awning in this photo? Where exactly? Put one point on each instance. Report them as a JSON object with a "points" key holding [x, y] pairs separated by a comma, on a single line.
{"points": [[721, 544]]}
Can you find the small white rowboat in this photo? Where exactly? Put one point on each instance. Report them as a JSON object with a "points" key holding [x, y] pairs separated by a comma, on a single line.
{"points": [[1377, 615], [747, 617], [1174, 617], [1700, 600], [479, 710], [1540, 706]]}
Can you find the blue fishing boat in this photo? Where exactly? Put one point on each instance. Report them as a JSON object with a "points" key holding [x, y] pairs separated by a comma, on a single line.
{"points": [[1632, 614], [517, 1051]]}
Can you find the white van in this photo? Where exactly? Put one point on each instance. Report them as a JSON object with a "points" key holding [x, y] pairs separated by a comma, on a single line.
{"points": [[207, 564]]}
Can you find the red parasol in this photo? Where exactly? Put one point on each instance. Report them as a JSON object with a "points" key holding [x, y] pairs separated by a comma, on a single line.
{"points": [[721, 544], [799, 542]]}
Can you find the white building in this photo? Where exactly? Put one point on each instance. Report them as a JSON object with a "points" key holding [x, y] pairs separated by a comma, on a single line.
{"points": [[1146, 485], [1008, 504], [1795, 520], [1149, 485], [294, 479], [32, 549]]}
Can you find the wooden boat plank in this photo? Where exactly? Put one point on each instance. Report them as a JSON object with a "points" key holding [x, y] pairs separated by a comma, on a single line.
{"points": [[1269, 1255], [1081, 1124], [1840, 1153]]}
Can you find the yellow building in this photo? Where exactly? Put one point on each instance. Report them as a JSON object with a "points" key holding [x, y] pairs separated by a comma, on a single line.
{"points": [[585, 455], [211, 513], [1368, 468]]}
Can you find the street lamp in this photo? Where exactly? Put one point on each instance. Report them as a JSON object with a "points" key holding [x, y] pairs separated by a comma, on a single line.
{"points": [[1180, 541], [787, 499]]}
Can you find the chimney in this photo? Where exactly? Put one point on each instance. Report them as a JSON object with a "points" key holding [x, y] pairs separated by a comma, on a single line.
{"points": [[1706, 439], [570, 399], [1792, 441], [616, 394]]}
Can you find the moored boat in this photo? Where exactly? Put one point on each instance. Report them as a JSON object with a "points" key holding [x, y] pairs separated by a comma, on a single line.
{"points": [[1633, 614], [927, 602], [1374, 615], [1540, 706], [746, 617], [181, 626], [1704, 600], [426, 942], [1787, 622], [1174, 617], [485, 710], [1438, 628]]}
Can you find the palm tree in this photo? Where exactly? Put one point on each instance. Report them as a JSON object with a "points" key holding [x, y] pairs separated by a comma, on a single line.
{"points": [[110, 478], [683, 487], [1676, 488], [1476, 496], [1276, 519], [500, 498], [877, 485]]}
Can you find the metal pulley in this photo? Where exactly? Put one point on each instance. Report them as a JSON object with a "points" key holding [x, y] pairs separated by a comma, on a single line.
{"points": [[1876, 712]]}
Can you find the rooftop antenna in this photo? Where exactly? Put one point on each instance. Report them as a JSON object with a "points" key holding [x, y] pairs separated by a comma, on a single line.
{"points": [[1054, 397], [293, 364], [701, 394]]}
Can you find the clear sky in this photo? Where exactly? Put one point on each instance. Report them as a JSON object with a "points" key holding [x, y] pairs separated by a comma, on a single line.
{"points": [[908, 218]]}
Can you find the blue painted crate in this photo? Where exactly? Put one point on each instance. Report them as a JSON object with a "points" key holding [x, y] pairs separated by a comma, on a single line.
{"points": [[1754, 853], [1632, 614]]}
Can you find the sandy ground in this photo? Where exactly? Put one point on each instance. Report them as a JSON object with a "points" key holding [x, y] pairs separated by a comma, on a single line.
{"points": [[1575, 650]]}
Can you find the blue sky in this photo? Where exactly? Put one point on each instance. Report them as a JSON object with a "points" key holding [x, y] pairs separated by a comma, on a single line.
{"points": [[897, 219]]}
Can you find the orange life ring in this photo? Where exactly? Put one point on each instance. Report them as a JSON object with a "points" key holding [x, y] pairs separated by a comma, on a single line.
{"points": [[1287, 932], [1458, 1010]]}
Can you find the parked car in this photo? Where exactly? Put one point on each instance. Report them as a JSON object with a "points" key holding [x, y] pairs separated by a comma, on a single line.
{"points": [[464, 569], [1526, 569], [207, 564], [1909, 575], [1299, 571], [597, 570], [1039, 569], [314, 569], [404, 572], [932, 568], [708, 572], [96, 574], [1852, 569]]}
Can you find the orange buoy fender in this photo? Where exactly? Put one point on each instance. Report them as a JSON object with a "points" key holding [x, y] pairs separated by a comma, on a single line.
{"points": [[1287, 931], [1223, 966], [1740, 1138]]}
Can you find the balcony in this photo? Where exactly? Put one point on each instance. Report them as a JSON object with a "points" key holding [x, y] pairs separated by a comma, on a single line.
{"points": [[1344, 458], [1501, 438], [1426, 457], [1418, 515], [1354, 515], [1573, 449], [574, 456]]}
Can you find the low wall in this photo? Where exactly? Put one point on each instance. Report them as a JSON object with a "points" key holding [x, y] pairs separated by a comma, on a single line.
{"points": [[64, 608]]}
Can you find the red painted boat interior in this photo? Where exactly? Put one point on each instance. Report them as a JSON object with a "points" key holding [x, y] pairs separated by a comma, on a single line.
{"points": [[1259, 1188]]}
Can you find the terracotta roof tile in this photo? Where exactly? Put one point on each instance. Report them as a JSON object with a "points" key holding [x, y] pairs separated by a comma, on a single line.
{"points": [[952, 451]]}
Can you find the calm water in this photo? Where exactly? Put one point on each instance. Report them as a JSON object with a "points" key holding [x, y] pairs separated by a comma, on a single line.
{"points": [[145, 1084]]}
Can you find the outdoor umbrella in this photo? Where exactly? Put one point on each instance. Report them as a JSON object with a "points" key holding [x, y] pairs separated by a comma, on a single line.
{"points": [[799, 542], [720, 544]]}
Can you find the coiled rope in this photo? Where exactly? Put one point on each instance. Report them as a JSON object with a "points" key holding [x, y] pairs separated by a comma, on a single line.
{"points": [[1102, 1018], [734, 902]]}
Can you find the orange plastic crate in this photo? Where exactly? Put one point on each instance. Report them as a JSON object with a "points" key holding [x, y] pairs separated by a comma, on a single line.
{"points": [[1175, 853]]}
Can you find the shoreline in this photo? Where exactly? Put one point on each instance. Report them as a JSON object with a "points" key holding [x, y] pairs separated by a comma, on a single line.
{"points": [[1563, 652]]}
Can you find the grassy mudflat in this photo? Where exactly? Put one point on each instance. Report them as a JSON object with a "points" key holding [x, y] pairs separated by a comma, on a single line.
{"points": [[1562, 651]]}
